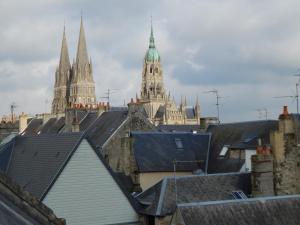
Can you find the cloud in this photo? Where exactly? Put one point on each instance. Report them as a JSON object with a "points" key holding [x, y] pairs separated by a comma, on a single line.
{"points": [[248, 50]]}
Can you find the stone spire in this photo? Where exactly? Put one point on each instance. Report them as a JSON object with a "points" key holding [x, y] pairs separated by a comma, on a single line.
{"points": [[64, 61], [62, 77], [82, 88], [82, 58], [151, 42]]}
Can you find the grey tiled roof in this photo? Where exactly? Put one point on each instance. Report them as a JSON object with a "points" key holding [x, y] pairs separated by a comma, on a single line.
{"points": [[261, 211], [156, 151], [36, 160], [33, 126], [20, 208], [159, 200], [160, 112], [104, 126], [243, 135]]}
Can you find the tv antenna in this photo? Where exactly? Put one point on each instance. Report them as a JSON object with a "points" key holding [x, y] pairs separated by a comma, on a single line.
{"points": [[215, 91], [294, 97], [108, 94], [263, 111], [13, 106]]}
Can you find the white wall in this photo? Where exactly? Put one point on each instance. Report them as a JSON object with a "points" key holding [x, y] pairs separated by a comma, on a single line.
{"points": [[86, 194]]}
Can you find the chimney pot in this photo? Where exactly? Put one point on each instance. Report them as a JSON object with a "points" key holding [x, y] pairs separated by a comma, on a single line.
{"points": [[285, 110]]}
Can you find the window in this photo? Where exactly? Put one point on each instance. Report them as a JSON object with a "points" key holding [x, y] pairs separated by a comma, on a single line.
{"points": [[179, 144], [239, 195], [224, 151]]}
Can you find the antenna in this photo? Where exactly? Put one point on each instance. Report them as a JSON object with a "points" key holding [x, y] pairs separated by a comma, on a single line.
{"points": [[260, 112], [109, 93], [13, 106], [215, 91], [296, 96]]}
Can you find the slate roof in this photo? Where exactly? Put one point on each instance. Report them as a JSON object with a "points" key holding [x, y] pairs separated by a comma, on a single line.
{"points": [[180, 128], [88, 120], [33, 126], [104, 126], [36, 160], [21, 208], [259, 211], [243, 135], [159, 200], [160, 112], [156, 151], [190, 113]]}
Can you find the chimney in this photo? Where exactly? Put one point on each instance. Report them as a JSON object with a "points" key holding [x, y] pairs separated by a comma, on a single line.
{"points": [[286, 122], [262, 172], [75, 125], [22, 122]]}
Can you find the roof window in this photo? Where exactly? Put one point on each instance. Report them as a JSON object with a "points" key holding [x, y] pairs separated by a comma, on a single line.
{"points": [[179, 144]]}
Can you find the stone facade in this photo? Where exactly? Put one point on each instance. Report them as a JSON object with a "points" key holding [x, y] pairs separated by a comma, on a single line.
{"points": [[117, 152], [73, 85], [278, 171], [286, 153], [161, 109]]}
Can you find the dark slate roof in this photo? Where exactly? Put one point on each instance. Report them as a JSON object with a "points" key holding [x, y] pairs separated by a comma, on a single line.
{"points": [[156, 151], [160, 112], [36, 160], [33, 126], [180, 128], [243, 135], [5, 154], [20, 208], [57, 126], [119, 108], [159, 200], [104, 126], [259, 211], [44, 129], [190, 113], [88, 120]]}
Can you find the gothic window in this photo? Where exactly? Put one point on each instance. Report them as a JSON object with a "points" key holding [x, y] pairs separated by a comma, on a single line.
{"points": [[151, 69], [156, 70]]}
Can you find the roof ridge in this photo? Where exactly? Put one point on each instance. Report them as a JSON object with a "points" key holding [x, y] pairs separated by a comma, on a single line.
{"points": [[259, 199]]}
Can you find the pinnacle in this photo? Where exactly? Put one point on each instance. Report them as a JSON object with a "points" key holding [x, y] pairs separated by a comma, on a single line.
{"points": [[64, 60], [82, 56]]}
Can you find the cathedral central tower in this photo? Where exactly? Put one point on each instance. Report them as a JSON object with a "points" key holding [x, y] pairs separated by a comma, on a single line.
{"points": [[152, 75]]}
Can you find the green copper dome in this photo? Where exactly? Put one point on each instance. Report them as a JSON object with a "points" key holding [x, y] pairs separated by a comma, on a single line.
{"points": [[152, 54]]}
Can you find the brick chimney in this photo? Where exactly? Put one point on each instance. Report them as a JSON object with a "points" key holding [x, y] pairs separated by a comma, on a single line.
{"points": [[262, 171], [286, 122]]}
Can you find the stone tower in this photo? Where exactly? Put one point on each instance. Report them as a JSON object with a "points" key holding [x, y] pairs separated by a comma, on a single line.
{"points": [[152, 88], [62, 76], [82, 86]]}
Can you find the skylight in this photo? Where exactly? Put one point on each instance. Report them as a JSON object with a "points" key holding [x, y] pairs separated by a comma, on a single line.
{"points": [[178, 143]]}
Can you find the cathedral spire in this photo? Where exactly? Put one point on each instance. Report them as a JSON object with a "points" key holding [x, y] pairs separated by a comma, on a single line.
{"points": [[82, 56], [151, 42], [64, 61]]}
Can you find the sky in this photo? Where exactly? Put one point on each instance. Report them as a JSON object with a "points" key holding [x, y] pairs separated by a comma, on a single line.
{"points": [[247, 50]]}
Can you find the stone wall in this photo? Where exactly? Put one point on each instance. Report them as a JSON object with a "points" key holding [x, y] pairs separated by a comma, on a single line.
{"points": [[118, 152]]}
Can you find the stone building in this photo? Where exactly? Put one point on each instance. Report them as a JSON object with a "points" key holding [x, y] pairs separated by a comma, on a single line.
{"points": [[286, 154], [161, 109], [276, 168], [73, 84]]}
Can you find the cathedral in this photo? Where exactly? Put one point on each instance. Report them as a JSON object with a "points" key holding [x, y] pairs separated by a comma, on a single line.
{"points": [[75, 88], [161, 109], [74, 85]]}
